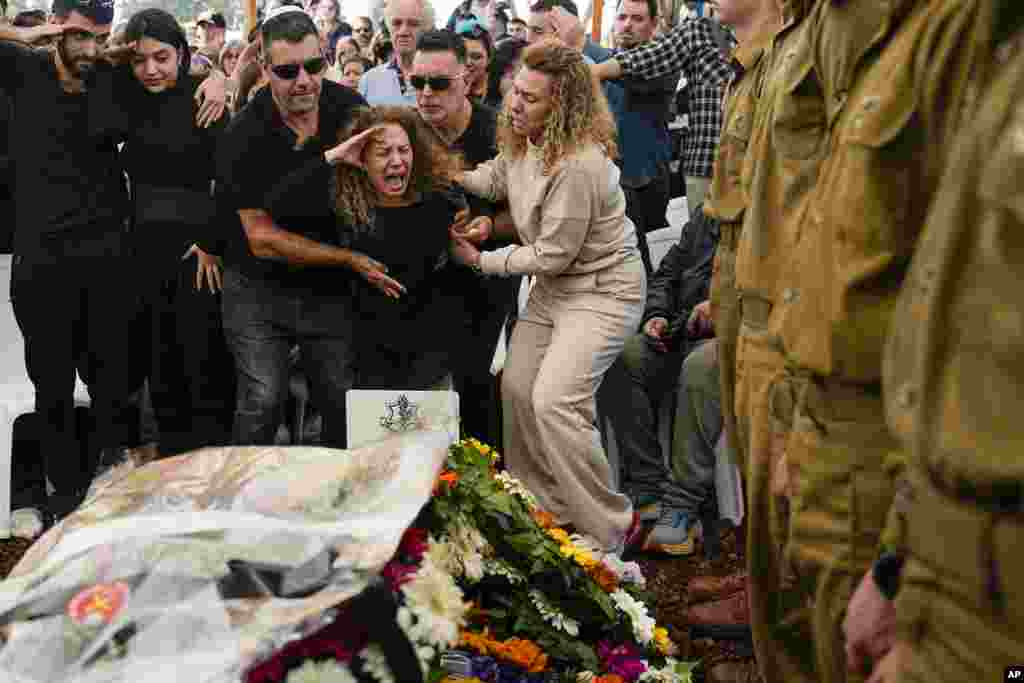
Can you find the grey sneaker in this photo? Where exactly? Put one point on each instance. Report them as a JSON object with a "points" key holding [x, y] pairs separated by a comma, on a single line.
{"points": [[674, 534]]}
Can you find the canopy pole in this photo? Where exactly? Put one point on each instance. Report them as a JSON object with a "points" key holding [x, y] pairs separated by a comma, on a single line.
{"points": [[250, 16], [595, 31]]}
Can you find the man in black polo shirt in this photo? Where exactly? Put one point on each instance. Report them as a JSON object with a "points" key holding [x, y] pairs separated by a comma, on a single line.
{"points": [[288, 281], [438, 77], [71, 282]]}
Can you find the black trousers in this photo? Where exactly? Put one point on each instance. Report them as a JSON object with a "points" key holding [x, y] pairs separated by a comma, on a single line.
{"points": [[489, 300], [646, 207], [191, 371], [75, 302]]}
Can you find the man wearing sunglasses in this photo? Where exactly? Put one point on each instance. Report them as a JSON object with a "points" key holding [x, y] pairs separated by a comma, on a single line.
{"points": [[288, 282], [469, 128], [68, 286]]}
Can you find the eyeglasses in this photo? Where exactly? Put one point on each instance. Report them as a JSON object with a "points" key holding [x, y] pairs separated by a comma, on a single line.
{"points": [[436, 83], [290, 72]]}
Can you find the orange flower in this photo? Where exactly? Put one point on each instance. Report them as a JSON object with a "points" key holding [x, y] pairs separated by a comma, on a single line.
{"points": [[610, 678], [604, 577], [450, 478], [523, 653], [545, 520]]}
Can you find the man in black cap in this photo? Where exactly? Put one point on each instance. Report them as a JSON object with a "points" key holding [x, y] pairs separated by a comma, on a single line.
{"points": [[210, 30], [70, 283]]}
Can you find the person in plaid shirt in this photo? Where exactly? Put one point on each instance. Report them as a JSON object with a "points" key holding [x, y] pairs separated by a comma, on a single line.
{"points": [[704, 101], [690, 48]]}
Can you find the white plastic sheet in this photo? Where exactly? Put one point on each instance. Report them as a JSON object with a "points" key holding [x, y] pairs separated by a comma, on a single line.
{"points": [[169, 528]]}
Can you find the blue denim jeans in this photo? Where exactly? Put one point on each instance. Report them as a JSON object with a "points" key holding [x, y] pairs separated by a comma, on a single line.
{"points": [[262, 322]]}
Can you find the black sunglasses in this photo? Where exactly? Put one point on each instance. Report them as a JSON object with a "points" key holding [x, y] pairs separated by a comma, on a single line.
{"points": [[290, 72], [436, 83]]}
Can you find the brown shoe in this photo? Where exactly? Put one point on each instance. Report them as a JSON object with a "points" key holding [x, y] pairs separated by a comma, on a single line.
{"points": [[708, 588], [731, 611]]}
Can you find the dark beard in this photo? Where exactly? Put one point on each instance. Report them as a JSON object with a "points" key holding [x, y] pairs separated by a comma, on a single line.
{"points": [[76, 67]]}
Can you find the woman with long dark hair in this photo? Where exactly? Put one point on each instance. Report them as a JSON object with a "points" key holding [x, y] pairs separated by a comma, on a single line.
{"points": [[147, 103]]}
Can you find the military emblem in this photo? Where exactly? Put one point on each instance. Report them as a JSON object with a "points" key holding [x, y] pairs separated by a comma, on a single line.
{"points": [[403, 415]]}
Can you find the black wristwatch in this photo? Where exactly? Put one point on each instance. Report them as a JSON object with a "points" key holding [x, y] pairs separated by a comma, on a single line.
{"points": [[886, 573]]}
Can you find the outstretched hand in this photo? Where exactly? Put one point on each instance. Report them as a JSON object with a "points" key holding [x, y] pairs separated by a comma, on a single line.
{"points": [[375, 273]]}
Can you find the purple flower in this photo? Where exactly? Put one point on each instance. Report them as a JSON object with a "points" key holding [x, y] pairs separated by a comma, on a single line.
{"points": [[623, 660]]}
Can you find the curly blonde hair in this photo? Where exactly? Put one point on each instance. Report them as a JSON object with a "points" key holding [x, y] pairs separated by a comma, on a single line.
{"points": [[579, 111], [433, 166]]}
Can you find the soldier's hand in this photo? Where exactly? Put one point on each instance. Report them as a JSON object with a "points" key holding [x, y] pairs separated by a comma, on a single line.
{"points": [[700, 323], [893, 665], [869, 627]]}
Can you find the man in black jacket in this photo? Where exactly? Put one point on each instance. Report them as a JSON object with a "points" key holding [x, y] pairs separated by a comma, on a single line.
{"points": [[659, 359]]}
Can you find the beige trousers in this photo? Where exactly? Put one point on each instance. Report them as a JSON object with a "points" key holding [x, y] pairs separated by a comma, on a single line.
{"points": [[572, 330]]}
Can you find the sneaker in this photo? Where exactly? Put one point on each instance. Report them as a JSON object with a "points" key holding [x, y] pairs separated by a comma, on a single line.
{"points": [[674, 534], [28, 523], [648, 507]]}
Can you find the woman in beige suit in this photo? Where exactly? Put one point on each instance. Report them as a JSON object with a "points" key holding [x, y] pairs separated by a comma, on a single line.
{"points": [[556, 140]]}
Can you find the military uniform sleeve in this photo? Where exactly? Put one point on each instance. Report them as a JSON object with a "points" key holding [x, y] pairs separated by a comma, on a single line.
{"points": [[565, 222]]}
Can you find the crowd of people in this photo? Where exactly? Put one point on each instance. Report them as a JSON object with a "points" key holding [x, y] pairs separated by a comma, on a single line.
{"points": [[361, 204]]}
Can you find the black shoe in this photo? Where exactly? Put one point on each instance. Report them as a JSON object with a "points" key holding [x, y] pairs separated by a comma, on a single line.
{"points": [[109, 459], [61, 504]]}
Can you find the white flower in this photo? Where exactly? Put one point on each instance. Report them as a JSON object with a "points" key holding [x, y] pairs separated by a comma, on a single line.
{"points": [[498, 567], [643, 624], [435, 607], [516, 488], [442, 555], [585, 676], [674, 671], [328, 671], [469, 548], [376, 664], [554, 617]]}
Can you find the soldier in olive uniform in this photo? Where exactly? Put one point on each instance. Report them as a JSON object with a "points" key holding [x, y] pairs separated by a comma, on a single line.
{"points": [[954, 392], [890, 111]]}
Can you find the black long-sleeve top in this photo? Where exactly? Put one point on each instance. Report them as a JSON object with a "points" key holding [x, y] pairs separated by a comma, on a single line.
{"points": [[412, 241], [163, 147]]}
